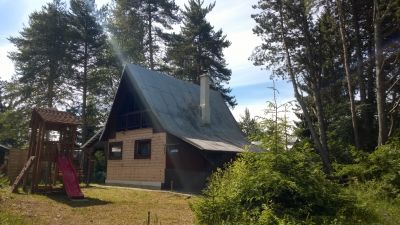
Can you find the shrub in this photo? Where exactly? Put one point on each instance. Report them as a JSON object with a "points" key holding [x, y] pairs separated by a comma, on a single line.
{"points": [[382, 165], [272, 188]]}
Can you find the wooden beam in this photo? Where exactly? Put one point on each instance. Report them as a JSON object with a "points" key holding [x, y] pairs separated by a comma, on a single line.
{"points": [[39, 151], [22, 174]]}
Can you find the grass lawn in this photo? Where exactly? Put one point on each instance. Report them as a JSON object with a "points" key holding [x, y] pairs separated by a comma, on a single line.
{"points": [[103, 205], [381, 210]]}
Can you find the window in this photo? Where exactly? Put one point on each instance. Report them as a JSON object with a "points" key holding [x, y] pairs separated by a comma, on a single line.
{"points": [[115, 150], [143, 149]]}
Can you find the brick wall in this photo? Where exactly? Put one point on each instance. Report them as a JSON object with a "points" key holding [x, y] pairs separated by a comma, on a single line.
{"points": [[138, 172]]}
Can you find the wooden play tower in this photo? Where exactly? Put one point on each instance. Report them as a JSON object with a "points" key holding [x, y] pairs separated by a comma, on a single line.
{"points": [[53, 136]]}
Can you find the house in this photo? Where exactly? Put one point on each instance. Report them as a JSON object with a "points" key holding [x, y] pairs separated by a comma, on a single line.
{"points": [[167, 133]]}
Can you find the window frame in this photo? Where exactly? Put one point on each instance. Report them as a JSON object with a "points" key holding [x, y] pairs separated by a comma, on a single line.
{"points": [[112, 144], [137, 143]]}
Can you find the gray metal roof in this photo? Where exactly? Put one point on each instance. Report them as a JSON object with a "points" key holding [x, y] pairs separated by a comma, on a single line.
{"points": [[175, 105]]}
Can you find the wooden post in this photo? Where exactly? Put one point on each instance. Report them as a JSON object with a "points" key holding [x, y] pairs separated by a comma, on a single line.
{"points": [[33, 138], [35, 152], [55, 176], [34, 131], [39, 158], [73, 138], [89, 168]]}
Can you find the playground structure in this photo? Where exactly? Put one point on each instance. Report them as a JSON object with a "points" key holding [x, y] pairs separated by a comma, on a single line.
{"points": [[52, 142]]}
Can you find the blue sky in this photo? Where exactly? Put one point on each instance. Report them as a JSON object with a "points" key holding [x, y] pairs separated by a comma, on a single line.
{"points": [[249, 83]]}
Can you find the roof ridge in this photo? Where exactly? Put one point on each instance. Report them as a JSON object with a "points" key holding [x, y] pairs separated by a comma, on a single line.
{"points": [[166, 75]]}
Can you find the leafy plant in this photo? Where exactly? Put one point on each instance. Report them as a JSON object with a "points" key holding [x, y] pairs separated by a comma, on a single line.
{"points": [[382, 165], [273, 188], [3, 181]]}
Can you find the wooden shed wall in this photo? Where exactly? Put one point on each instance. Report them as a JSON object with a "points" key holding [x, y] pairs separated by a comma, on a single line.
{"points": [[138, 172], [16, 161]]}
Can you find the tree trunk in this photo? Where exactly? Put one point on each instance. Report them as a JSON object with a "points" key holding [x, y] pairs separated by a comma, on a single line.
{"points": [[393, 113], [348, 76], [84, 94], [369, 138], [319, 147], [359, 57], [151, 47], [317, 142], [380, 79], [275, 118], [50, 86], [315, 78], [320, 115]]}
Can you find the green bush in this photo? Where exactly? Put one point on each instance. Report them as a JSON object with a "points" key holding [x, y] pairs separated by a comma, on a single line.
{"points": [[99, 175], [273, 188], [382, 166]]}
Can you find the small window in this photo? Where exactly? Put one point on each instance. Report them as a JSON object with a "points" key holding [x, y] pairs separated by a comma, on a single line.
{"points": [[143, 149], [115, 150]]}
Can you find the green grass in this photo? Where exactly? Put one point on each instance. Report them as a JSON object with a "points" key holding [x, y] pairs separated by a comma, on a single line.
{"points": [[11, 219], [380, 209], [112, 205], [102, 205]]}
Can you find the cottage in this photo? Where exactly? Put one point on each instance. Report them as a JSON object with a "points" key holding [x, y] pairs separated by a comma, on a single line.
{"points": [[167, 133]]}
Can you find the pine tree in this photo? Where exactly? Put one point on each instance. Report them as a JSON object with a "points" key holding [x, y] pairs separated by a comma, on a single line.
{"points": [[386, 25], [158, 16], [198, 49], [90, 45], [127, 31], [288, 35], [14, 116], [43, 59], [346, 64], [249, 125], [139, 29]]}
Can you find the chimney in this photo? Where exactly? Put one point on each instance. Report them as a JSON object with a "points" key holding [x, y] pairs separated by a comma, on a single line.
{"points": [[205, 99]]}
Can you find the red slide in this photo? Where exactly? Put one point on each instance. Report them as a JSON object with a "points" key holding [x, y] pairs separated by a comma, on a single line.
{"points": [[71, 182]]}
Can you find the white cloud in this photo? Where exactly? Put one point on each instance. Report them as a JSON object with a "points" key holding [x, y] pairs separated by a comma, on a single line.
{"points": [[28, 7], [7, 66], [247, 75], [22, 18], [243, 43], [257, 109], [100, 3], [234, 17]]}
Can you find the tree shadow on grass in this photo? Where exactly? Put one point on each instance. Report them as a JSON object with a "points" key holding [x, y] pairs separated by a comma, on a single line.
{"points": [[86, 202]]}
